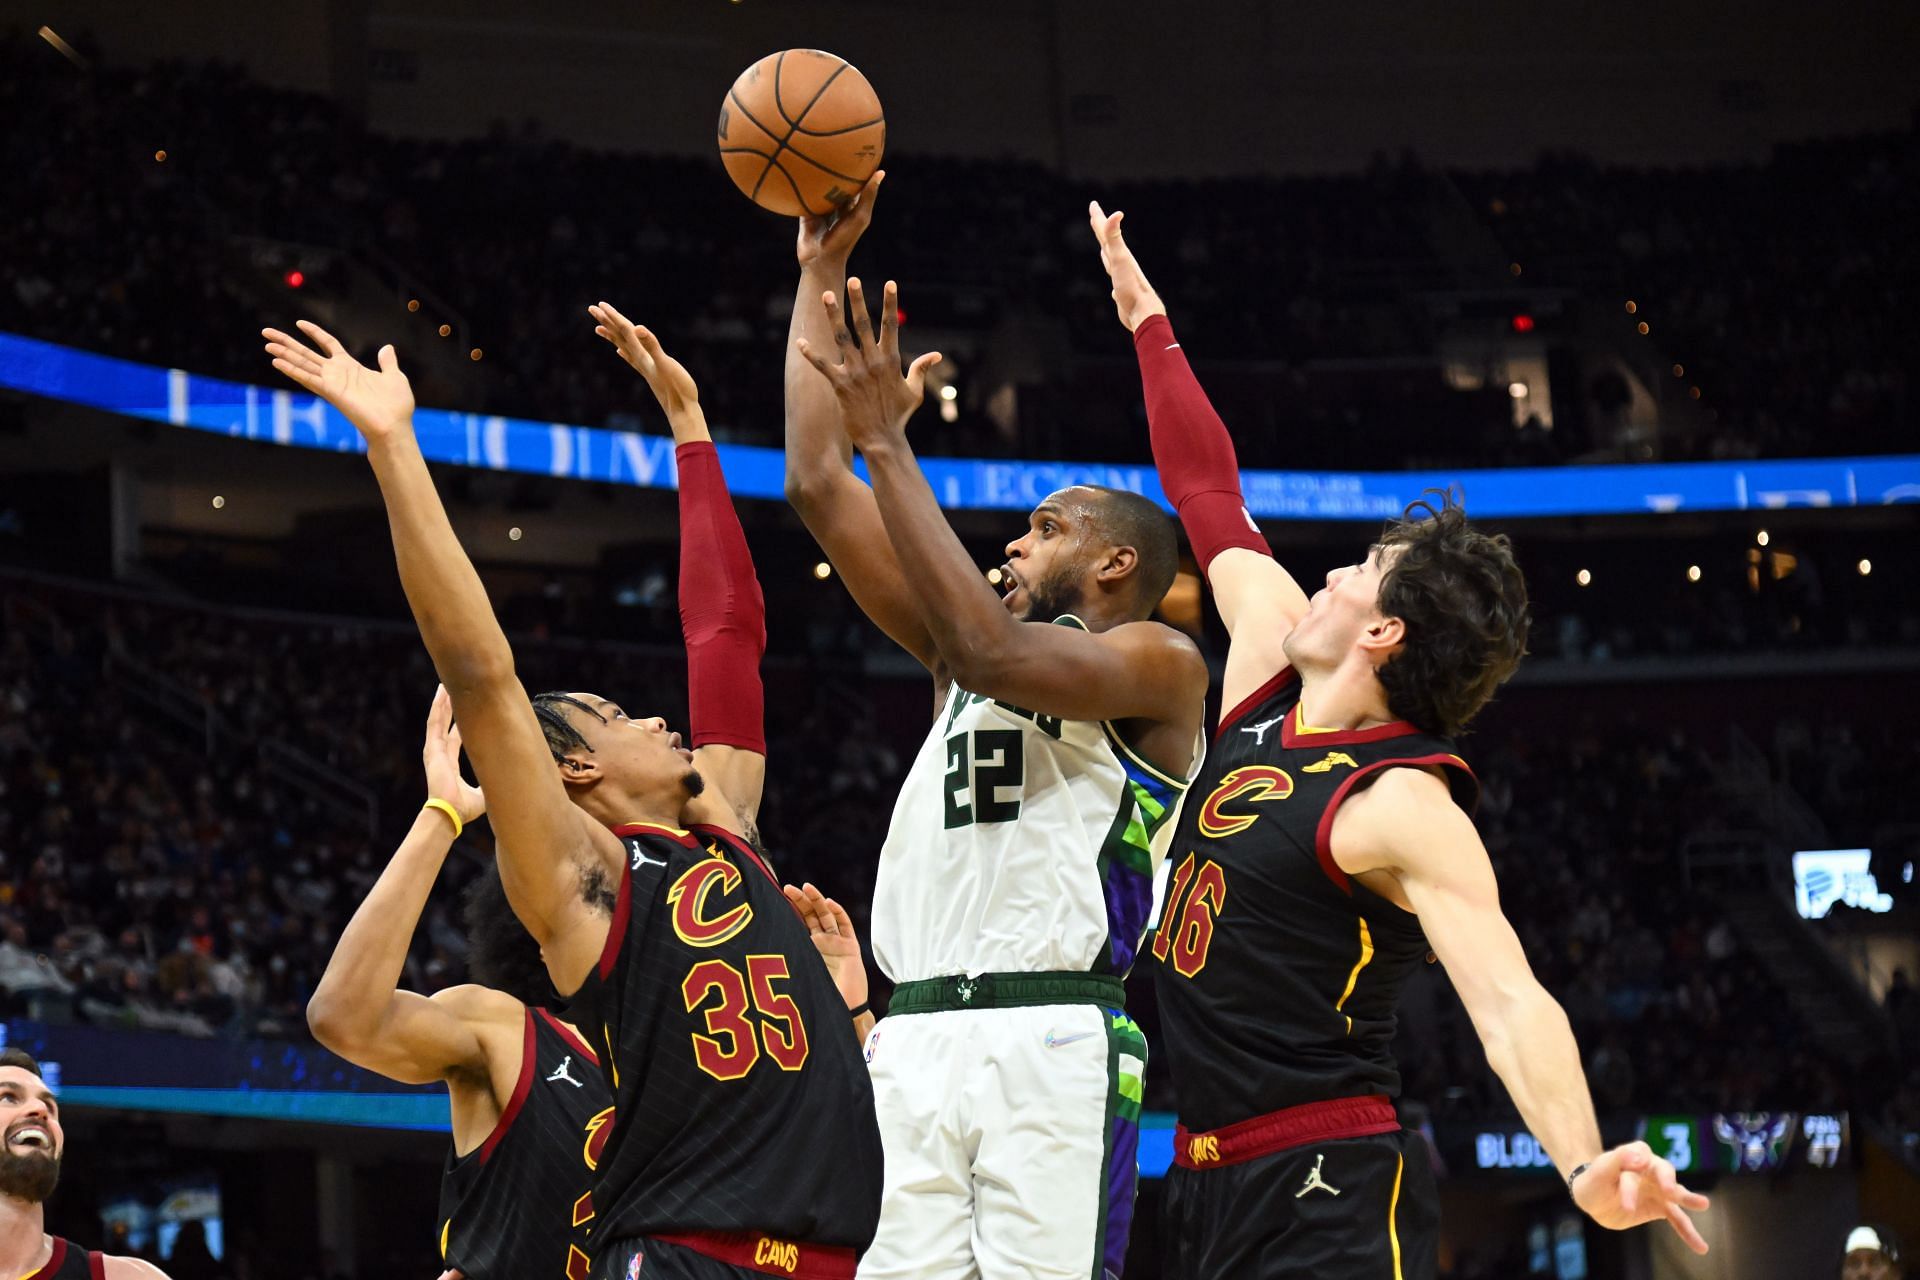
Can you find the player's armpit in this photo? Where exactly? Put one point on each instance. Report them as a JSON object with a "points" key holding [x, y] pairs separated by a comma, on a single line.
{"points": [[1260, 603], [420, 1039]]}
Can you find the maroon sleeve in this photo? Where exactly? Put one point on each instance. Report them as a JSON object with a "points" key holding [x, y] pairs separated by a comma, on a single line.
{"points": [[1191, 448], [722, 613]]}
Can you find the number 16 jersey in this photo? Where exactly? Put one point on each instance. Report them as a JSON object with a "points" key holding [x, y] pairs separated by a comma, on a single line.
{"points": [[1277, 974]]}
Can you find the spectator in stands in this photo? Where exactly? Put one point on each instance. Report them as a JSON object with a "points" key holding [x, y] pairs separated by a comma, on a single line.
{"points": [[1871, 1253]]}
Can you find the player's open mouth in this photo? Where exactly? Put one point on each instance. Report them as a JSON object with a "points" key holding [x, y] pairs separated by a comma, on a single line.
{"points": [[1009, 582], [31, 1136], [673, 744]]}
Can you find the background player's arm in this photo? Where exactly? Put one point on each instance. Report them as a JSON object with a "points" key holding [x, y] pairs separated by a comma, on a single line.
{"points": [[1136, 670], [1258, 599], [837, 508], [357, 1009], [543, 842], [1407, 825], [722, 613]]}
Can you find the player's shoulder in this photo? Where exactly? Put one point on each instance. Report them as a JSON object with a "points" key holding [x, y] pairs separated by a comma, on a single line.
{"points": [[118, 1268], [1398, 813], [1160, 643], [472, 1002]]}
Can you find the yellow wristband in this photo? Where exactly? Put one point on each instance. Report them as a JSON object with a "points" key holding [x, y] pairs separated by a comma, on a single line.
{"points": [[453, 814]]}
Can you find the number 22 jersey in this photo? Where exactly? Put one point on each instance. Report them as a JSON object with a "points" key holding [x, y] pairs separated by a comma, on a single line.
{"points": [[1277, 975], [741, 1099]]}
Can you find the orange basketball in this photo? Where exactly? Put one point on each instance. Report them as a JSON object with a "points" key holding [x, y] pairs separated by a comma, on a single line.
{"points": [[801, 132]]}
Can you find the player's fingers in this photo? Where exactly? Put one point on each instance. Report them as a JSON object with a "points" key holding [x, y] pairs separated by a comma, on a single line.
{"points": [[440, 714], [1691, 1200], [296, 355], [815, 359], [1664, 1178], [613, 317], [890, 319], [857, 308], [290, 344], [836, 318], [388, 359], [648, 342], [328, 343], [301, 376], [1629, 1192], [843, 923], [917, 372], [1684, 1228]]}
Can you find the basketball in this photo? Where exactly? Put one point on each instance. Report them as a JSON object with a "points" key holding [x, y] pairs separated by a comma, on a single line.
{"points": [[801, 132]]}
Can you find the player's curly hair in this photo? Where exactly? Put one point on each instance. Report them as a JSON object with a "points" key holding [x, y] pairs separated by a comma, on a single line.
{"points": [[1464, 604], [501, 954]]}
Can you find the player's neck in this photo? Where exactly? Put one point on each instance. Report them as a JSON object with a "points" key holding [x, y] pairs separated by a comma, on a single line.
{"points": [[612, 810], [23, 1240], [1346, 697]]}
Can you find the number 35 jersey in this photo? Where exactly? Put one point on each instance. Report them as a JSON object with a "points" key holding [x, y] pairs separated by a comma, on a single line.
{"points": [[741, 1099], [1277, 975], [1020, 843]]}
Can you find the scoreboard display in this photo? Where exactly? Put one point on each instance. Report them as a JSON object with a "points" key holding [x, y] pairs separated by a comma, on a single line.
{"points": [[1716, 1142]]}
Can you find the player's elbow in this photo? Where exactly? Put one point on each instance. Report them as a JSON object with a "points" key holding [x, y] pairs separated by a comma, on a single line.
{"points": [[486, 668], [809, 486], [332, 1020]]}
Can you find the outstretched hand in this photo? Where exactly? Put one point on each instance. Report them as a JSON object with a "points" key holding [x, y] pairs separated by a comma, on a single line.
{"points": [[441, 756], [827, 240], [875, 399], [1133, 297], [1630, 1185], [378, 402], [666, 377], [832, 931]]}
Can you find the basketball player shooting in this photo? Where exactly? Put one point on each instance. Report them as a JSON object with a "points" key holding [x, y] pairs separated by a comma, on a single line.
{"points": [[1017, 876], [744, 1130], [526, 1093], [32, 1145], [1332, 849]]}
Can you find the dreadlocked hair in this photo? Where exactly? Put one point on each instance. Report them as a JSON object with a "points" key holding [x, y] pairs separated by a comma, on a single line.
{"points": [[562, 737], [1464, 604]]}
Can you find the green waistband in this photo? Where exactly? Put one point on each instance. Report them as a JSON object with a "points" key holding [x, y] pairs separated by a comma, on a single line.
{"points": [[1006, 991]]}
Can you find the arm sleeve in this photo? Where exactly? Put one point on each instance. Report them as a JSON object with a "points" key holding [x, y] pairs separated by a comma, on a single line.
{"points": [[722, 613], [1191, 448]]}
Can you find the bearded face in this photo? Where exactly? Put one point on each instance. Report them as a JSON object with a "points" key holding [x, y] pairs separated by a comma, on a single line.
{"points": [[30, 1137]]}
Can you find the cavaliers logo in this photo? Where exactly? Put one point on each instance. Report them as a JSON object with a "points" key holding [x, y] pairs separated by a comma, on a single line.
{"points": [[688, 897], [1250, 784], [1203, 1148], [599, 1129]]}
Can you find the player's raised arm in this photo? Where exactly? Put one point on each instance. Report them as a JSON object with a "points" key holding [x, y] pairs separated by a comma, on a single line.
{"points": [[358, 1010], [1258, 599], [836, 507], [546, 844], [1136, 670], [723, 615], [1408, 826]]}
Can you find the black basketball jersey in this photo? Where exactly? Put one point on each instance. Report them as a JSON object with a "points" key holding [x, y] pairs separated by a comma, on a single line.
{"points": [[70, 1262], [519, 1204], [1277, 975], [742, 1100]]}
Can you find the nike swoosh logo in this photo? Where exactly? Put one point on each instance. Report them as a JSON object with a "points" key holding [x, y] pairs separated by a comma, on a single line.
{"points": [[1174, 346], [1054, 1042]]}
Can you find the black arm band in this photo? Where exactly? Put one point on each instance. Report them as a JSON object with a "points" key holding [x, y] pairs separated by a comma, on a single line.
{"points": [[1578, 1170], [862, 1011]]}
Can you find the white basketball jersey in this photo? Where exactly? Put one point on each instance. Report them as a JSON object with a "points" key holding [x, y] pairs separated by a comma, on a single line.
{"points": [[1021, 843]]}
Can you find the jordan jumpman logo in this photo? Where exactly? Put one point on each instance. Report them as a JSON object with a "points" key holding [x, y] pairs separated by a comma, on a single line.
{"points": [[560, 1073], [1315, 1182]]}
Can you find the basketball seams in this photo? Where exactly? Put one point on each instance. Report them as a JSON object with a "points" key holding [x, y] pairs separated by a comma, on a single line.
{"points": [[844, 177], [834, 133], [791, 184], [734, 94]]}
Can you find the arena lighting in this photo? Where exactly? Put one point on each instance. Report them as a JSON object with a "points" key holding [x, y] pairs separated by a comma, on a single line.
{"points": [[1694, 392], [1523, 323], [446, 331], [994, 576], [949, 392], [295, 278], [1633, 307], [1865, 567], [822, 570], [1762, 538], [1679, 371], [1644, 328], [1518, 390], [413, 304], [515, 534], [1513, 268], [1693, 573], [160, 156], [474, 355], [1584, 578], [219, 501]]}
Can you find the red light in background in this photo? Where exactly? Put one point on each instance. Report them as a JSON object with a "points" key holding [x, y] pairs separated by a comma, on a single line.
{"points": [[900, 315], [1523, 323], [295, 279]]}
